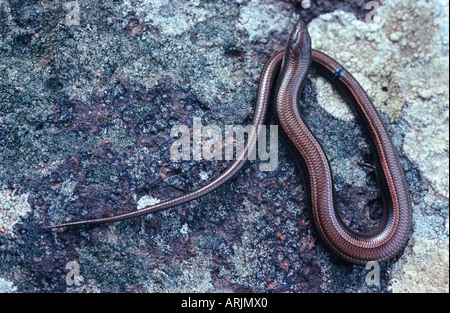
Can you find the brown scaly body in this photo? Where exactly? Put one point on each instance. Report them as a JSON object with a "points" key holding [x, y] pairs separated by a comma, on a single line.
{"points": [[293, 66]]}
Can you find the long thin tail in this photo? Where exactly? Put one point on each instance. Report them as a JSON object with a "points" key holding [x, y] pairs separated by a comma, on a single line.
{"points": [[268, 76]]}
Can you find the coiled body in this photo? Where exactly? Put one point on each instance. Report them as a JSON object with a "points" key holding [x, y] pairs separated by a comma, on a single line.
{"points": [[393, 231], [293, 66]]}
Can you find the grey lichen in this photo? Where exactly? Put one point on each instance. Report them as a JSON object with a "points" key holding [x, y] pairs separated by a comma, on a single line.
{"points": [[12, 208], [6, 286], [85, 115]]}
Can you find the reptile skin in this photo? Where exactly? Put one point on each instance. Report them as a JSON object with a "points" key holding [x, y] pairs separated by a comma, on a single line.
{"points": [[284, 75]]}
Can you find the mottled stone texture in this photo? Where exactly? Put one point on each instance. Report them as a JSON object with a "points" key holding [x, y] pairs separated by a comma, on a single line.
{"points": [[87, 103]]}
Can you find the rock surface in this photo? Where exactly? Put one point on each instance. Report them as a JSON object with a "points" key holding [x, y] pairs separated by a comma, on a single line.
{"points": [[90, 92]]}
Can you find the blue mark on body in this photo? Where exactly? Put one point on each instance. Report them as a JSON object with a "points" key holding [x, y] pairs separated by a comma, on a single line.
{"points": [[338, 74]]}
